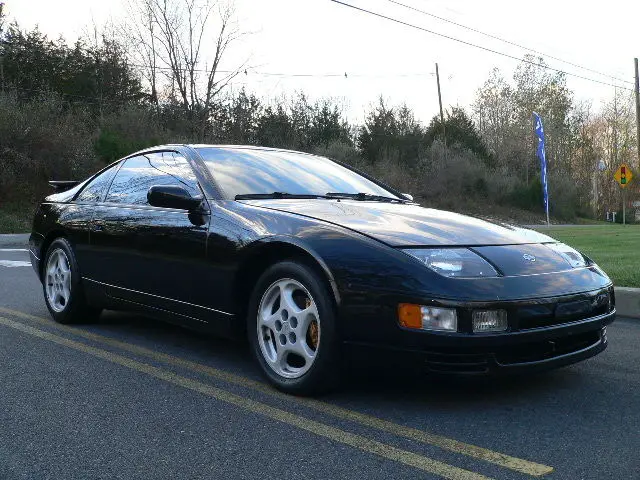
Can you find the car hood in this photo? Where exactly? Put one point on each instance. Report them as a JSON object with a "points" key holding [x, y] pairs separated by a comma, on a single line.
{"points": [[406, 225]]}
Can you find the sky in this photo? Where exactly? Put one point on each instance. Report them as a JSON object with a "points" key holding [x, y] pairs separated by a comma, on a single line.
{"points": [[381, 57]]}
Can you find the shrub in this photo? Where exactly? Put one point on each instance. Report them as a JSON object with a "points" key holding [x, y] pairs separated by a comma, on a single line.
{"points": [[42, 139], [131, 129], [631, 216], [452, 173], [564, 203], [526, 196], [342, 151]]}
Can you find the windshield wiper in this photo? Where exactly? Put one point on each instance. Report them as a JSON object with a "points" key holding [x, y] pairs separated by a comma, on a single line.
{"points": [[259, 196], [331, 195], [364, 197]]}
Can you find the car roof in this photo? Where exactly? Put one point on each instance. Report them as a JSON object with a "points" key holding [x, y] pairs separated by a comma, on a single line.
{"points": [[221, 146]]}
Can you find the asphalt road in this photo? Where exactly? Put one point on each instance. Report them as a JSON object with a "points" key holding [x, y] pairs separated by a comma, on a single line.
{"points": [[130, 398]]}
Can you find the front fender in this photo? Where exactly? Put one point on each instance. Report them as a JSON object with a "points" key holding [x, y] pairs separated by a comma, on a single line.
{"points": [[309, 251]]}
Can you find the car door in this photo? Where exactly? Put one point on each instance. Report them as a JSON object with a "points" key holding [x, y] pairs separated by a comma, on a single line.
{"points": [[80, 215], [150, 255]]}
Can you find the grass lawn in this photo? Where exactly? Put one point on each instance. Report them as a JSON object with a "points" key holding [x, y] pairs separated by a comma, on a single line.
{"points": [[615, 248]]}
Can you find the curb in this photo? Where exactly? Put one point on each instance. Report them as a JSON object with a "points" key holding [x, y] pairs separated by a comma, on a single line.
{"points": [[16, 240], [628, 302]]}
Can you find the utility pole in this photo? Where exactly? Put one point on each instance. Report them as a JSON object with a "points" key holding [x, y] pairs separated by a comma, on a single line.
{"points": [[635, 61], [444, 132]]}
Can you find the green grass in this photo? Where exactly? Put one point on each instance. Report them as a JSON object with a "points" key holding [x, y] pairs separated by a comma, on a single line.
{"points": [[615, 248], [589, 221], [16, 218]]}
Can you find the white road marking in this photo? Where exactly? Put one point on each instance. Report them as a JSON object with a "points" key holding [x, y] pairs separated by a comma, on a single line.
{"points": [[14, 250], [14, 263]]}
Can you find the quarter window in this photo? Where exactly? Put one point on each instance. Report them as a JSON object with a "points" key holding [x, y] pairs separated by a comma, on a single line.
{"points": [[138, 174], [93, 191]]}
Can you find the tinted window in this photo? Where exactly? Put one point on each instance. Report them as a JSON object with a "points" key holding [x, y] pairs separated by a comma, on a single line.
{"points": [[133, 180], [239, 171], [94, 190]]}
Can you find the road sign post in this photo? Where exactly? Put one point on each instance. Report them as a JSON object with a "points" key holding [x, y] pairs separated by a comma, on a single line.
{"points": [[623, 176]]}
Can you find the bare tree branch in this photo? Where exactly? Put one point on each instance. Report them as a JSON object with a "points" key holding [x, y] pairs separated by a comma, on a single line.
{"points": [[175, 34]]}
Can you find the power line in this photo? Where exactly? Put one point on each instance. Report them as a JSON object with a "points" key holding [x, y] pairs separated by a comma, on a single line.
{"points": [[88, 99], [486, 49], [345, 75], [509, 42], [249, 71]]}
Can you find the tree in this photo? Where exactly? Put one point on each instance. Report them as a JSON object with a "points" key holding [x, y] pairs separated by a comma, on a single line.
{"points": [[236, 119], [141, 33], [545, 92], [613, 134], [97, 76], [173, 36], [494, 110], [275, 128], [2, 17], [391, 133], [461, 133], [328, 124], [504, 113]]}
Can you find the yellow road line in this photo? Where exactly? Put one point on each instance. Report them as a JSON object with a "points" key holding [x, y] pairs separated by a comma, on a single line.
{"points": [[497, 458], [358, 441]]}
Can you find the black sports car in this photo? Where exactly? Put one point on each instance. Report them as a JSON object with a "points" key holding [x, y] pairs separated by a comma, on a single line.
{"points": [[307, 257]]}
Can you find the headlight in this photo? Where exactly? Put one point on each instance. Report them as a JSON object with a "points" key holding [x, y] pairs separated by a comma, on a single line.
{"points": [[453, 262], [489, 321], [423, 317], [571, 255]]}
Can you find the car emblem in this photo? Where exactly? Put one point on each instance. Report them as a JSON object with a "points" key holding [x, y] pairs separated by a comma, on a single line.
{"points": [[528, 257]]}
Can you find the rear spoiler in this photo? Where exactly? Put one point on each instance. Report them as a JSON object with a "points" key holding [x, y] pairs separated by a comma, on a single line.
{"points": [[62, 185]]}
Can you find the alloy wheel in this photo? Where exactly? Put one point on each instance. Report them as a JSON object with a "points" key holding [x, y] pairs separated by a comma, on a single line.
{"points": [[58, 280], [288, 328]]}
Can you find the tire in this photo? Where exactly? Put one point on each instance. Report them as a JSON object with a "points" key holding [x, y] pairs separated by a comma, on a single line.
{"points": [[295, 355], [62, 285]]}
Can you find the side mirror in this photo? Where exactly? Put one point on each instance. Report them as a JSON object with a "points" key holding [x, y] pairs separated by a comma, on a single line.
{"points": [[172, 196], [408, 196]]}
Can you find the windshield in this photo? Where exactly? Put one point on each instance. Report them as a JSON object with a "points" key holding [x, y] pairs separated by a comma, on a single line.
{"points": [[253, 171]]}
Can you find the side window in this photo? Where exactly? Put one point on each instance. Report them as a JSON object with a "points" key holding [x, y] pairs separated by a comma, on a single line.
{"points": [[92, 191], [133, 180], [176, 166]]}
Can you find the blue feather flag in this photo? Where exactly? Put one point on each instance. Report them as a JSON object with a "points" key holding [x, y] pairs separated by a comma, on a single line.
{"points": [[539, 129]]}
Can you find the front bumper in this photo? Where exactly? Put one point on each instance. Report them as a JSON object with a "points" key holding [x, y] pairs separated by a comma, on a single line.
{"points": [[545, 353], [546, 350], [543, 334]]}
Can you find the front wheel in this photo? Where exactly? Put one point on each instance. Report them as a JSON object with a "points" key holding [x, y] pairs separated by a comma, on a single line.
{"points": [[292, 329], [62, 285]]}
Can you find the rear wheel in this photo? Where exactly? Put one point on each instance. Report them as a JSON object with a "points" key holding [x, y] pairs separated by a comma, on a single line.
{"points": [[292, 329], [62, 285]]}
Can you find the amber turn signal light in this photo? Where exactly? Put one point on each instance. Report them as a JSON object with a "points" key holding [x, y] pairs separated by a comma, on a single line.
{"points": [[410, 315]]}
